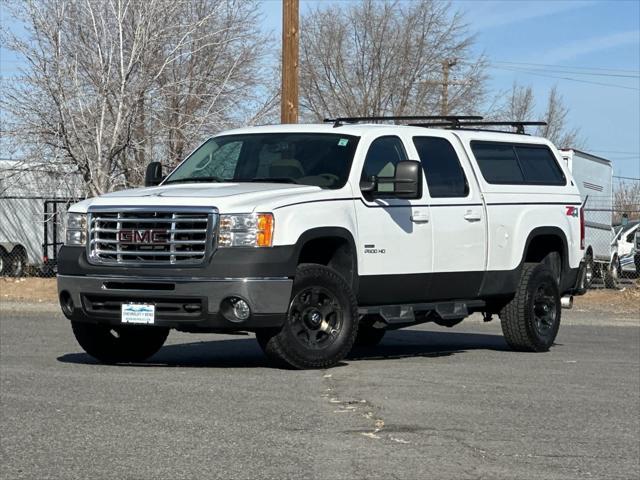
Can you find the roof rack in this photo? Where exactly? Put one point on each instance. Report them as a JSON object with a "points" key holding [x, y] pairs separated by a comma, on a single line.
{"points": [[519, 126], [450, 119]]}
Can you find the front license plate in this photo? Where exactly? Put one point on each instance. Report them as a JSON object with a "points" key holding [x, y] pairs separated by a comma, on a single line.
{"points": [[138, 313]]}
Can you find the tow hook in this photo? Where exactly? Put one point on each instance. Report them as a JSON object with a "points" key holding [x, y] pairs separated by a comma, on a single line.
{"points": [[567, 301]]}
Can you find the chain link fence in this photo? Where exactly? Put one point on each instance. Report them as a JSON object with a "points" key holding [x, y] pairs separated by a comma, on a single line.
{"points": [[34, 198], [31, 233], [612, 238]]}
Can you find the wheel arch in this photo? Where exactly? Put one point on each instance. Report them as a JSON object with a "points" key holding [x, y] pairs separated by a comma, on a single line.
{"points": [[544, 240], [330, 246]]}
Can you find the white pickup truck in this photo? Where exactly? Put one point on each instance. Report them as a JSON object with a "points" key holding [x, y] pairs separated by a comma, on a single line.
{"points": [[316, 237]]}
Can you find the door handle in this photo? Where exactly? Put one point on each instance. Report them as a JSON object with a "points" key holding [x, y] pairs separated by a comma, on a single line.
{"points": [[419, 217], [471, 216]]}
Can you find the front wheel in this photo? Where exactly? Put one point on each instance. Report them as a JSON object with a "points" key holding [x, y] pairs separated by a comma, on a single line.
{"points": [[530, 321], [321, 324], [121, 343]]}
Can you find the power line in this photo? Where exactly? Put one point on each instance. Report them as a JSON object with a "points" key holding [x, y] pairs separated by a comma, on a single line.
{"points": [[568, 71], [626, 178], [568, 67], [537, 73]]}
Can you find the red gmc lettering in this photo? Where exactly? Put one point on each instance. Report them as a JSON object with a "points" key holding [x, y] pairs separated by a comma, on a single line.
{"points": [[143, 236]]}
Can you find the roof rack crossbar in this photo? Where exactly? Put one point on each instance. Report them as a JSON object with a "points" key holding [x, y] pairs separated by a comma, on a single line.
{"points": [[450, 118], [519, 126]]}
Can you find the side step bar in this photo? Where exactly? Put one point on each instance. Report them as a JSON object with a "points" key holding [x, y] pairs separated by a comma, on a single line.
{"points": [[404, 314]]}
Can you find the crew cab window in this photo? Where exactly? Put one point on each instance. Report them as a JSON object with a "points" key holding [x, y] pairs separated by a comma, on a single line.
{"points": [[381, 160], [445, 177], [507, 163]]}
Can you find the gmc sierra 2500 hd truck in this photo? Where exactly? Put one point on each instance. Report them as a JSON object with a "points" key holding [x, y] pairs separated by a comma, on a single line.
{"points": [[316, 237]]}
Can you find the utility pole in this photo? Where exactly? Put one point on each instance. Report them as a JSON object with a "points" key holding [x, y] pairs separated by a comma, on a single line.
{"points": [[446, 66], [290, 55]]}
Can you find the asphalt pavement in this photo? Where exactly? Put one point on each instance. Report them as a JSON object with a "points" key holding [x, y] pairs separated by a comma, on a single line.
{"points": [[429, 402]]}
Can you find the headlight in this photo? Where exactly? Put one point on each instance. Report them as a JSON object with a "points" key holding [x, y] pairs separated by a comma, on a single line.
{"points": [[76, 229], [250, 230]]}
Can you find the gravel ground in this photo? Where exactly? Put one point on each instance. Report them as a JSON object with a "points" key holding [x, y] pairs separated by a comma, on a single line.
{"points": [[428, 402]]}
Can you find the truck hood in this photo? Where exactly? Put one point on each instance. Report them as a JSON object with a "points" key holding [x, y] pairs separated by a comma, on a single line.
{"points": [[227, 197]]}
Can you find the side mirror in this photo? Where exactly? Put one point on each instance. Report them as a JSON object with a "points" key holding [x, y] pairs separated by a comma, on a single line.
{"points": [[408, 179], [153, 175], [369, 186]]}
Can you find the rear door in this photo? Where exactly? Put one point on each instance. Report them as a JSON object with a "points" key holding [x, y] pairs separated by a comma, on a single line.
{"points": [[457, 214]]}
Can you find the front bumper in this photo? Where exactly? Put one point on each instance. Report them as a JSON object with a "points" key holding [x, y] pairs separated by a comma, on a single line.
{"points": [[188, 304]]}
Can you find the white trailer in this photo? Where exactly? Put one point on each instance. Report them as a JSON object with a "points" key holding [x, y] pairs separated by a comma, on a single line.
{"points": [[33, 201], [593, 176]]}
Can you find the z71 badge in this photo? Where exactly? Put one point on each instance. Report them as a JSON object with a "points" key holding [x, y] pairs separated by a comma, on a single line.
{"points": [[572, 211]]}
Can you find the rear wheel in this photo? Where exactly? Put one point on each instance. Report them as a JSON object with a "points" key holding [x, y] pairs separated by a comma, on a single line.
{"points": [[612, 273], [530, 321], [321, 324], [553, 261], [119, 344]]}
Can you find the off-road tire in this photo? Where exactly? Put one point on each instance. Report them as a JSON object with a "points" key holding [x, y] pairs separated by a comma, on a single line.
{"points": [[119, 344], [612, 273], [368, 336], [553, 261], [518, 317], [286, 348]]}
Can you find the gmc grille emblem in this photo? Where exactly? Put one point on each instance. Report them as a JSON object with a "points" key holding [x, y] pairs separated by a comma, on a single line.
{"points": [[145, 237]]}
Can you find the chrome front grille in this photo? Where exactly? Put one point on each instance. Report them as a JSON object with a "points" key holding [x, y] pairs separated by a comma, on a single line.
{"points": [[151, 236]]}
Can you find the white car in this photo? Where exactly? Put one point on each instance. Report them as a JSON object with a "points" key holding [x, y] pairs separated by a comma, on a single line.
{"points": [[624, 246], [316, 237]]}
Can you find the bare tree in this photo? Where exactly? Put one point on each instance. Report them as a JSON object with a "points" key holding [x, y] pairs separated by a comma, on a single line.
{"points": [[520, 105], [556, 129], [111, 84], [374, 58], [626, 200]]}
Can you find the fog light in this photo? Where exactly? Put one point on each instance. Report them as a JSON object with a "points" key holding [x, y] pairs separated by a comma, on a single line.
{"points": [[235, 309], [241, 309], [66, 303]]}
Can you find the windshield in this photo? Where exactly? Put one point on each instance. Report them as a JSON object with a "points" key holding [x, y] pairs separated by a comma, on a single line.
{"points": [[319, 159]]}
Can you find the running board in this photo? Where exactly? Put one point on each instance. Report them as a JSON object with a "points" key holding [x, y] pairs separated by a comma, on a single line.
{"points": [[399, 314]]}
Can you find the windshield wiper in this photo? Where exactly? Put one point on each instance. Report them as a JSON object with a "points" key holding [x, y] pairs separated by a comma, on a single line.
{"points": [[272, 180], [195, 180]]}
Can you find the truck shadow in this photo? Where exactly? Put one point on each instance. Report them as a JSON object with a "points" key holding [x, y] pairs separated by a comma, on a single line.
{"points": [[245, 352]]}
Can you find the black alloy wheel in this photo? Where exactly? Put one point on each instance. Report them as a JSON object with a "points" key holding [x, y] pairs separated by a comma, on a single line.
{"points": [[321, 324]]}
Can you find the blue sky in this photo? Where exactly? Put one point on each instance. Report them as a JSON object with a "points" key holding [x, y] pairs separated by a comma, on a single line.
{"points": [[566, 34], [575, 33]]}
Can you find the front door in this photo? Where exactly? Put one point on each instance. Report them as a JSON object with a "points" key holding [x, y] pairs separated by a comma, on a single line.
{"points": [[394, 235]]}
